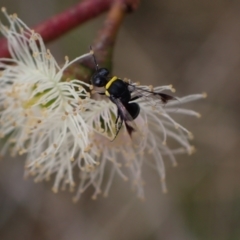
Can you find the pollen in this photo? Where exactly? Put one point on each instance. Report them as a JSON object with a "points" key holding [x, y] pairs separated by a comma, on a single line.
{"points": [[15, 16], [151, 88], [72, 188], [175, 164], [34, 36], [190, 135], [94, 197], [87, 149], [35, 54], [191, 150], [172, 89], [48, 56], [55, 190]]}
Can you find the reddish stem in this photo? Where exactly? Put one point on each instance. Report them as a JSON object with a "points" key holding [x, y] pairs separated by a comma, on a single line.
{"points": [[74, 16], [65, 21], [104, 43]]}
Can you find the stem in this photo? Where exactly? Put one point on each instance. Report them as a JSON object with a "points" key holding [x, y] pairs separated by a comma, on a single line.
{"points": [[74, 16], [70, 18], [103, 45], [58, 25], [105, 41]]}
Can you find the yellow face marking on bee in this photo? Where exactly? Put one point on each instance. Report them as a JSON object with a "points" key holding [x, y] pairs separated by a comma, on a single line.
{"points": [[109, 84]]}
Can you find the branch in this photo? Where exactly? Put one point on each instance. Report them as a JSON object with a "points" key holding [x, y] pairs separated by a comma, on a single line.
{"points": [[105, 41], [60, 24]]}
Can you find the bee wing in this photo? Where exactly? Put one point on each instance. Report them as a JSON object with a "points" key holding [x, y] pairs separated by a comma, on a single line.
{"points": [[124, 116], [138, 92]]}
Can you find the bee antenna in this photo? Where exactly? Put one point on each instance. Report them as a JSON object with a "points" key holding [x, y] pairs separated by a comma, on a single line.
{"points": [[94, 58]]}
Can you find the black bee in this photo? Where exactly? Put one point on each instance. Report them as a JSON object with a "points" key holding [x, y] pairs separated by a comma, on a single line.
{"points": [[122, 93]]}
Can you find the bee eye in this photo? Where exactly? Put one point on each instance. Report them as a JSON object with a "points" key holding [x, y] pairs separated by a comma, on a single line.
{"points": [[99, 81], [103, 72]]}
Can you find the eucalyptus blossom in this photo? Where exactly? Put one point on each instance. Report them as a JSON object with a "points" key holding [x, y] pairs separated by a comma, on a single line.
{"points": [[62, 128]]}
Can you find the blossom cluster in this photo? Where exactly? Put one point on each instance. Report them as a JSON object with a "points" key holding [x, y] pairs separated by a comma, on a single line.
{"points": [[61, 128]]}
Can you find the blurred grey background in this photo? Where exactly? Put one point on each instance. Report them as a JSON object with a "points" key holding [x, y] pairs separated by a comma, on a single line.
{"points": [[192, 44]]}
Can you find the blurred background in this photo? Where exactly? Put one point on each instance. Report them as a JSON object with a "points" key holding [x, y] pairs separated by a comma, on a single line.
{"points": [[194, 45]]}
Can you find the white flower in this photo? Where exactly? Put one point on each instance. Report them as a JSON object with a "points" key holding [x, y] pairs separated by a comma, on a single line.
{"points": [[126, 157], [61, 129], [40, 114]]}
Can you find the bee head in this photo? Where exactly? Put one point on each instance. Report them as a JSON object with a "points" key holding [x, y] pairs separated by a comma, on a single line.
{"points": [[99, 79]]}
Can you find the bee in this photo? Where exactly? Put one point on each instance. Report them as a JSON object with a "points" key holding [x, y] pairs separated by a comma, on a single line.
{"points": [[122, 93]]}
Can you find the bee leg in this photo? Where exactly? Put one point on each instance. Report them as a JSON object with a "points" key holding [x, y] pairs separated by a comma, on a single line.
{"points": [[136, 97], [117, 118], [117, 125]]}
